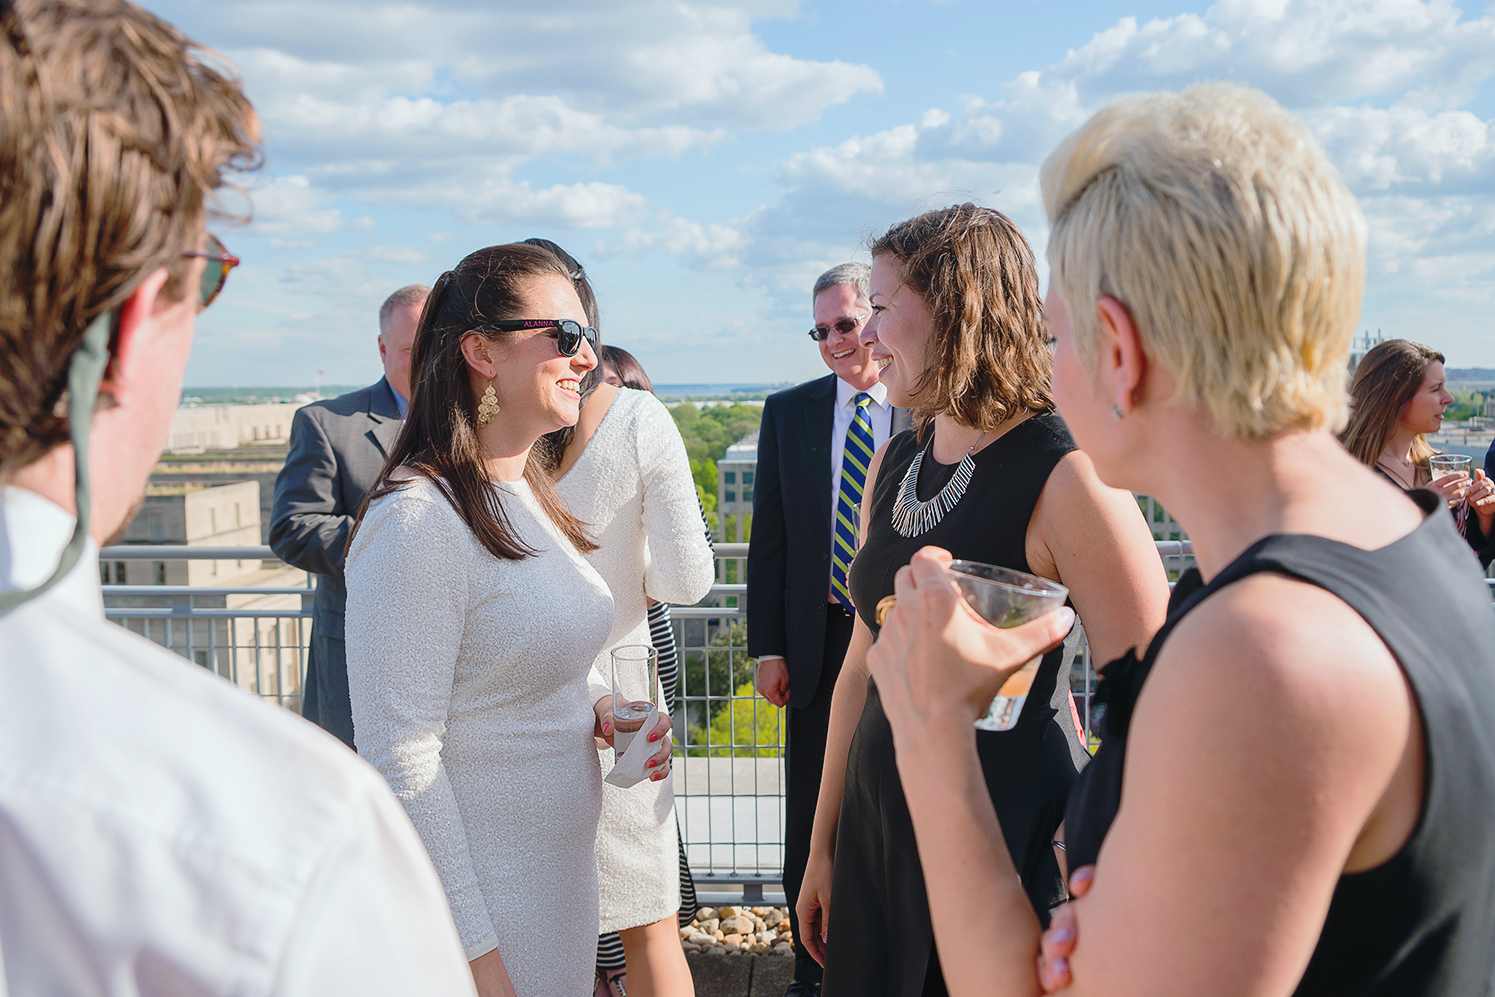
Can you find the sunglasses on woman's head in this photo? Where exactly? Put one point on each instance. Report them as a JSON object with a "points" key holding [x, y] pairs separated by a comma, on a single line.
{"points": [[215, 272], [568, 334], [845, 327]]}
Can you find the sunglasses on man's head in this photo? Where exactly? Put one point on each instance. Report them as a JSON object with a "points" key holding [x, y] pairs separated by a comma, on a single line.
{"points": [[568, 334], [845, 327], [215, 272]]}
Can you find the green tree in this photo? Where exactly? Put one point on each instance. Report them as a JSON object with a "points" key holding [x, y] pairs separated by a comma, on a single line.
{"points": [[1465, 404], [712, 674], [748, 727]]}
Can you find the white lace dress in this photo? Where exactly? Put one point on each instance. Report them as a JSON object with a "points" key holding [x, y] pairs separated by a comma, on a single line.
{"points": [[632, 484], [468, 677]]}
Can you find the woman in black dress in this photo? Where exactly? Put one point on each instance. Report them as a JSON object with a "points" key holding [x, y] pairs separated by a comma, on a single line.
{"points": [[1309, 766], [957, 329], [1397, 398]]}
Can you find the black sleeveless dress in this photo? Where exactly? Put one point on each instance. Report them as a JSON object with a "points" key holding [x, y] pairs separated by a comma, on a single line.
{"points": [[880, 940], [1423, 922]]}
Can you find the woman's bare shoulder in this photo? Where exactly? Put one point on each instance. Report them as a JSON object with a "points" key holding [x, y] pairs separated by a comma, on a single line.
{"points": [[1277, 648]]}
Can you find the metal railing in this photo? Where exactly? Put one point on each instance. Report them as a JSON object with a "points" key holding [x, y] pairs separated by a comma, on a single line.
{"points": [[729, 768]]}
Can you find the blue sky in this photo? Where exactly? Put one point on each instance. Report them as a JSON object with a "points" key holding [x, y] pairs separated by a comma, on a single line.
{"points": [[707, 161]]}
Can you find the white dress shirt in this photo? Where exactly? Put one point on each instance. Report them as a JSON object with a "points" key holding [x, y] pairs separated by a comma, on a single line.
{"points": [[163, 832]]}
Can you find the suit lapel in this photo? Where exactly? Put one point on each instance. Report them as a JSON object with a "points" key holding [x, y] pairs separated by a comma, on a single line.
{"points": [[384, 417], [903, 418], [819, 420]]}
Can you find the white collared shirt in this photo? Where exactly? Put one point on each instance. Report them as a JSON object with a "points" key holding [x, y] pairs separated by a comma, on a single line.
{"points": [[879, 411], [163, 832]]}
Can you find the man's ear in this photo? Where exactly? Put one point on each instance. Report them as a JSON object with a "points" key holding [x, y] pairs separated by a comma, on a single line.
{"points": [[134, 316], [1122, 365]]}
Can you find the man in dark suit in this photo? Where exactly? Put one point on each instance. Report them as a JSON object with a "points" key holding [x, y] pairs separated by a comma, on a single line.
{"points": [[813, 448], [338, 448]]}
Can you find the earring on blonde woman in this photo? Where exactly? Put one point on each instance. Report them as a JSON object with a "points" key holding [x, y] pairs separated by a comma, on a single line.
{"points": [[1116, 411], [487, 407]]}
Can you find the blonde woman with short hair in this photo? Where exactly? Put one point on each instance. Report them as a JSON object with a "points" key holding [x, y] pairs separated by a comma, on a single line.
{"points": [[1309, 775]]}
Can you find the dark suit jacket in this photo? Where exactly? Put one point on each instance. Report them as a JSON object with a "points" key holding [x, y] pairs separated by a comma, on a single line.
{"points": [[338, 448], [789, 559]]}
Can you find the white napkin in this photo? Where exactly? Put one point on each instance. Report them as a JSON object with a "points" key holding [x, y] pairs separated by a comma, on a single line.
{"points": [[628, 769]]}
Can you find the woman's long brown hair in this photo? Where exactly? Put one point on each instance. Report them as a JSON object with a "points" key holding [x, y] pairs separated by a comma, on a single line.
{"points": [[440, 438], [1389, 376]]}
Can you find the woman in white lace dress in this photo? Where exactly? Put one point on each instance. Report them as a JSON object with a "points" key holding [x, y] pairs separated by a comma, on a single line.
{"points": [[625, 471], [473, 620]]}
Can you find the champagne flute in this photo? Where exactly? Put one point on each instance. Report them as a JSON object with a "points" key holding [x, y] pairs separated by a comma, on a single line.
{"points": [[635, 691]]}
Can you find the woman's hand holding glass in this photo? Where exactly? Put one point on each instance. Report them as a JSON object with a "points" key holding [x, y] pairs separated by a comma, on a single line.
{"points": [[1481, 499], [1454, 488], [606, 730], [938, 664]]}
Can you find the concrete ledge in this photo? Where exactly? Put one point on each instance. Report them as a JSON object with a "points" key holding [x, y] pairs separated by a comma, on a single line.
{"points": [[740, 975]]}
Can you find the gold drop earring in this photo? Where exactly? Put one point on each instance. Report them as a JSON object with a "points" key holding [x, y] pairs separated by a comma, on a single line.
{"points": [[487, 407]]}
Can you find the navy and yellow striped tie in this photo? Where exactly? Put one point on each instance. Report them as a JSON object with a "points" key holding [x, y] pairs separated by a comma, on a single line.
{"points": [[855, 458]]}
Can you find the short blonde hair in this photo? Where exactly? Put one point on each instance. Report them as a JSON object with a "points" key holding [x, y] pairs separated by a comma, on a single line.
{"points": [[1215, 217]]}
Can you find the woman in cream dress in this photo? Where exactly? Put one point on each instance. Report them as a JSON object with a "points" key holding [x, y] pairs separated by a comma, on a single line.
{"points": [[473, 620], [625, 473]]}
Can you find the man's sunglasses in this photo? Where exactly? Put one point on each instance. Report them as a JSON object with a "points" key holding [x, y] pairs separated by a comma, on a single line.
{"points": [[845, 327], [215, 272], [568, 334]]}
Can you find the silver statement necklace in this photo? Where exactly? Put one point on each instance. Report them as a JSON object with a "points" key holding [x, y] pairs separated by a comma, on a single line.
{"points": [[912, 517]]}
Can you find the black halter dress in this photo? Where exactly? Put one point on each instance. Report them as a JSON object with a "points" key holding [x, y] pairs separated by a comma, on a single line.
{"points": [[881, 942], [1423, 922]]}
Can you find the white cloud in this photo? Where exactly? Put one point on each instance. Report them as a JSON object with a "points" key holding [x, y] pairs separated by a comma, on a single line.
{"points": [[713, 246], [1423, 166], [396, 104], [1378, 148], [396, 254], [577, 205], [630, 59], [291, 206]]}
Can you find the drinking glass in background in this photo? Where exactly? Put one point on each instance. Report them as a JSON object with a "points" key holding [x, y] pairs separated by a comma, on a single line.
{"points": [[1441, 464], [1006, 598], [635, 691]]}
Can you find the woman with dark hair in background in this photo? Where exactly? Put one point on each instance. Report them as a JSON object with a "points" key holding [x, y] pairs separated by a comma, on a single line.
{"points": [[622, 468], [473, 619], [1397, 397], [992, 474], [621, 368]]}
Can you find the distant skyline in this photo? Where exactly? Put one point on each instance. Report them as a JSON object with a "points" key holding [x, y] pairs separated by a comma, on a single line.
{"points": [[707, 161]]}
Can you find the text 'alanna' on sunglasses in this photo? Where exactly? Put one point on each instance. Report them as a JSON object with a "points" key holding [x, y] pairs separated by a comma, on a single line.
{"points": [[845, 327], [215, 273], [568, 334]]}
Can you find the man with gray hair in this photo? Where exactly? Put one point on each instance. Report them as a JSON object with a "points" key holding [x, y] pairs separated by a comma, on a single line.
{"points": [[337, 450], [814, 447]]}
